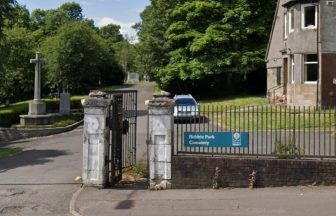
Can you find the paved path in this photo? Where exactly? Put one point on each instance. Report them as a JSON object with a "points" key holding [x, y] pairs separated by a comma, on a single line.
{"points": [[145, 92], [289, 201], [40, 180]]}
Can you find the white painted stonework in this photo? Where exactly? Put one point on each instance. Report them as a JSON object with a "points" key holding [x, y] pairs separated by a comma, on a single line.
{"points": [[161, 124], [95, 146]]}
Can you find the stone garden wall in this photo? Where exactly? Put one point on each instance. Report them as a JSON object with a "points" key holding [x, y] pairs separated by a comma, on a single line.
{"points": [[197, 172]]}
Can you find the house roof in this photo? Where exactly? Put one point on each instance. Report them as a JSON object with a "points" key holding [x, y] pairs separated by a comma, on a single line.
{"points": [[271, 35], [287, 4]]}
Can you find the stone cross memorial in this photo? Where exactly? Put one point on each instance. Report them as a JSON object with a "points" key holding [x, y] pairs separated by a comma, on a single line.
{"points": [[37, 107]]}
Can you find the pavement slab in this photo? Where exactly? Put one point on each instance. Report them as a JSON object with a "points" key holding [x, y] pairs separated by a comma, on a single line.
{"points": [[296, 201]]}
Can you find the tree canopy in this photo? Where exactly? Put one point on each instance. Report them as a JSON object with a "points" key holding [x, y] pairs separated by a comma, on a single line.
{"points": [[78, 56], [185, 42]]}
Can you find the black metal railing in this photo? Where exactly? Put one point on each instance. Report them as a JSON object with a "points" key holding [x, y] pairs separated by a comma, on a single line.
{"points": [[273, 131], [128, 126], [271, 93]]}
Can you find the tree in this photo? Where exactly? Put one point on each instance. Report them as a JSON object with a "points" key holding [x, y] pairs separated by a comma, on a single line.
{"points": [[79, 59], [111, 32], [21, 17], [208, 40], [38, 18], [50, 20], [76, 55], [17, 76], [151, 32], [72, 57], [125, 54], [72, 10], [6, 9]]}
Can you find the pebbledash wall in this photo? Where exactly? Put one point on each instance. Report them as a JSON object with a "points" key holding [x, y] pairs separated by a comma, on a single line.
{"points": [[197, 172]]}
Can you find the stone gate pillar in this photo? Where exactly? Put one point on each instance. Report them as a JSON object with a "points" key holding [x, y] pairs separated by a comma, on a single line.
{"points": [[95, 145], [161, 128]]}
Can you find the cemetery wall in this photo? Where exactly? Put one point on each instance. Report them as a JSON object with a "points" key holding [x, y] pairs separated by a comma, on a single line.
{"points": [[197, 172]]}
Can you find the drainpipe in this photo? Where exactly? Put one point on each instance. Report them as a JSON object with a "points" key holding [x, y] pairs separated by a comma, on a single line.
{"points": [[318, 55]]}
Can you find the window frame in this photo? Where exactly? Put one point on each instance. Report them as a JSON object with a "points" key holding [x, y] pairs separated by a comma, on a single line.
{"points": [[305, 62], [303, 6], [292, 69], [290, 17], [286, 25]]}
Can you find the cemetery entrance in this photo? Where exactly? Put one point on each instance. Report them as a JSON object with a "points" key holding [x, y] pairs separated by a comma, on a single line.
{"points": [[122, 123]]}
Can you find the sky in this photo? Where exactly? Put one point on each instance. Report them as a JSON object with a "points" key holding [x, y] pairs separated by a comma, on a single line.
{"points": [[121, 12]]}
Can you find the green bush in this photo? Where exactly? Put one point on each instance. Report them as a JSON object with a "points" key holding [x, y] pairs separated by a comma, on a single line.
{"points": [[286, 149], [11, 115]]}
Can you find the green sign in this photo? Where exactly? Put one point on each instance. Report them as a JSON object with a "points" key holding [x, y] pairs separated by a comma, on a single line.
{"points": [[216, 139]]}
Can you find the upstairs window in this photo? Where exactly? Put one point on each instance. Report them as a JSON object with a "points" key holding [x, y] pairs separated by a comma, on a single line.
{"points": [[310, 68], [286, 25], [309, 16], [291, 20]]}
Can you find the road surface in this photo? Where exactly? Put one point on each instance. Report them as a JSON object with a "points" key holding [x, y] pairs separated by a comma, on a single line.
{"points": [[40, 180]]}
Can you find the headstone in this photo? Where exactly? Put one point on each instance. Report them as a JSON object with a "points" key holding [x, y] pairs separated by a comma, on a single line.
{"points": [[133, 77], [64, 108], [37, 107]]}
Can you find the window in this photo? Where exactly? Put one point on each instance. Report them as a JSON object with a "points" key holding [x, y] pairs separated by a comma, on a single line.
{"points": [[309, 16], [292, 69], [310, 68], [286, 25], [291, 20]]}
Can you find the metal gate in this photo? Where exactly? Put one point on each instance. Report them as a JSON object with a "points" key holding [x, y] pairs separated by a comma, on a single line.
{"points": [[122, 135]]}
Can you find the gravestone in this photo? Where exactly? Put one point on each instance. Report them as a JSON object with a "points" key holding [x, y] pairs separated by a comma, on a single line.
{"points": [[133, 77], [64, 108]]}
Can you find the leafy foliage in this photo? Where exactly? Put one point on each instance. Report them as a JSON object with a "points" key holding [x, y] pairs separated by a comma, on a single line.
{"points": [[286, 148], [73, 56], [78, 56], [16, 78], [188, 41]]}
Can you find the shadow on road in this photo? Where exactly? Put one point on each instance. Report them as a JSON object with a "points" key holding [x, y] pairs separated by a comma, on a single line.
{"points": [[28, 158]]}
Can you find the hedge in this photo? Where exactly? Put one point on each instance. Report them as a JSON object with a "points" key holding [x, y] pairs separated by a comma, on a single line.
{"points": [[11, 115]]}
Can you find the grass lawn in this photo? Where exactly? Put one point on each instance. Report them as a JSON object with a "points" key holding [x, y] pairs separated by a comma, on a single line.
{"points": [[6, 152], [252, 113], [10, 115], [272, 118], [236, 101]]}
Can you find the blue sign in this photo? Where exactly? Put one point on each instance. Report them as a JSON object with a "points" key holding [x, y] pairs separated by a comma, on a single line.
{"points": [[216, 139]]}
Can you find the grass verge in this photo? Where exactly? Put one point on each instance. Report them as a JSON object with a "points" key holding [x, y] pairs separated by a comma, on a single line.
{"points": [[235, 101], [7, 152], [268, 118]]}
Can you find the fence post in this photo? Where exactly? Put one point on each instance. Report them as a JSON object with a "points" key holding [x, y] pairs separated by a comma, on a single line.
{"points": [[95, 142], [160, 129]]}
